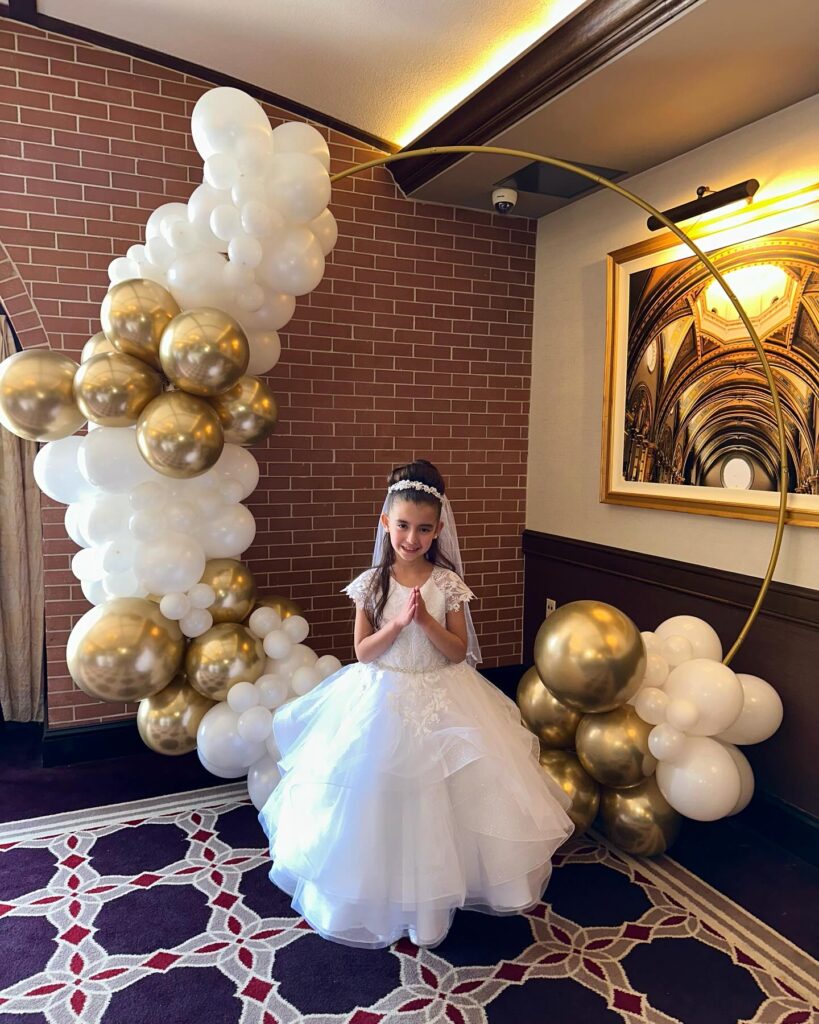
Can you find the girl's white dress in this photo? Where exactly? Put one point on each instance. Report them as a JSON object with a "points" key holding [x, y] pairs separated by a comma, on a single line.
{"points": [[409, 788]]}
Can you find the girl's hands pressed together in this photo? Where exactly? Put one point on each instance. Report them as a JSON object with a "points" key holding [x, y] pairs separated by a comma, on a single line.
{"points": [[422, 616], [410, 609]]}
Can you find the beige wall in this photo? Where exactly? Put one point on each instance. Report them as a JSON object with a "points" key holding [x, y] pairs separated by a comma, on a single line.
{"points": [[782, 151]]}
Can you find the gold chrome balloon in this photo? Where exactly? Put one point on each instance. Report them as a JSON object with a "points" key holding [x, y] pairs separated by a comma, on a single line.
{"points": [[590, 655], [282, 605], [37, 395], [613, 747], [226, 654], [134, 314], [247, 412], [124, 650], [112, 389], [167, 722], [95, 346], [553, 723], [179, 435], [577, 784], [639, 820], [235, 589], [204, 351]]}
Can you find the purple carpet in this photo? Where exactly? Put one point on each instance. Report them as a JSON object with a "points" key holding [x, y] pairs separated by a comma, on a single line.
{"points": [[160, 910]]}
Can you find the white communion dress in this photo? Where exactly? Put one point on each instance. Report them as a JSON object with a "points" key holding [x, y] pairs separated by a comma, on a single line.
{"points": [[409, 788]]}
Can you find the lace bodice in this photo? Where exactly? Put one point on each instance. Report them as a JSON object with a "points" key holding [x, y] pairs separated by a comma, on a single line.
{"points": [[412, 651]]}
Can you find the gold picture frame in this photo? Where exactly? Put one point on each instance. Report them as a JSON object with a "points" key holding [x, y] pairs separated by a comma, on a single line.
{"points": [[687, 424]]}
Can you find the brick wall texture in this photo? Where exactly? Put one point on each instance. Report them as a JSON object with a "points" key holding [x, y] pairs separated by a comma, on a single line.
{"points": [[416, 343]]}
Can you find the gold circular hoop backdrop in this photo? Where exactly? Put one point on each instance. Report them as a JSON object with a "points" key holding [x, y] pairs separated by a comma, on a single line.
{"points": [[707, 263]]}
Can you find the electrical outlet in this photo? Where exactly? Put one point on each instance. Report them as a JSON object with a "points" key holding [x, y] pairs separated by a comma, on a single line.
{"points": [[551, 605]]}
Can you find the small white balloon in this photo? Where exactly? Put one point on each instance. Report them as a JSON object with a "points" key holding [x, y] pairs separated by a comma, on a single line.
{"points": [[196, 622], [656, 671], [272, 690], [123, 584], [276, 310], [171, 563], [298, 137], [219, 742], [218, 771], [761, 713], [712, 688], [174, 605], [145, 525], [87, 564], [122, 269], [705, 643], [220, 171], [651, 705], [232, 491], [293, 264], [651, 642], [277, 644], [327, 665], [262, 779], [263, 621], [118, 555], [682, 714], [665, 742], [73, 525], [676, 650], [255, 724], [304, 679], [260, 219], [225, 222], [246, 251], [265, 352], [254, 153], [242, 696], [703, 781], [238, 464], [148, 495], [296, 628], [201, 595], [325, 228], [94, 591], [228, 532], [57, 472]]}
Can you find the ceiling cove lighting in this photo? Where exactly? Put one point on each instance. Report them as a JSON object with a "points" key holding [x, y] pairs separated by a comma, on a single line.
{"points": [[707, 201]]}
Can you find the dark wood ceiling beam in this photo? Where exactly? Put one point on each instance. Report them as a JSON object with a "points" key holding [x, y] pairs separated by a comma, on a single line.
{"points": [[595, 35], [23, 10]]}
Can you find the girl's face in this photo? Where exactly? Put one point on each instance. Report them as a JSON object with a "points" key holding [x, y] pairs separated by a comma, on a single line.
{"points": [[412, 528]]}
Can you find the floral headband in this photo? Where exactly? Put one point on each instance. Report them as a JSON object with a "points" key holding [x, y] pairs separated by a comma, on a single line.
{"points": [[415, 485]]}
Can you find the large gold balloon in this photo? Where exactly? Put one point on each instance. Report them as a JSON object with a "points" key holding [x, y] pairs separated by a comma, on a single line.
{"points": [[226, 654], [234, 586], [577, 784], [124, 650], [168, 721], [552, 722], [95, 346], [37, 395], [590, 655], [282, 605], [204, 351], [179, 435], [613, 747], [134, 314], [247, 412], [112, 389], [639, 820]]}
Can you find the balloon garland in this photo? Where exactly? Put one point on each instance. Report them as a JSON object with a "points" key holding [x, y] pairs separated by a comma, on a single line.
{"points": [[171, 391]]}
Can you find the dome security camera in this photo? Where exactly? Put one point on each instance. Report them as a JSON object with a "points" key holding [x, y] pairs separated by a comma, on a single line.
{"points": [[504, 199]]}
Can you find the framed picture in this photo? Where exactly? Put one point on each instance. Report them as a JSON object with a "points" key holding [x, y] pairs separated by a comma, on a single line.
{"points": [[688, 422]]}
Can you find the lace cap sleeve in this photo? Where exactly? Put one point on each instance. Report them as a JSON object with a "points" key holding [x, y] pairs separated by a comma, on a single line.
{"points": [[357, 590], [454, 589]]}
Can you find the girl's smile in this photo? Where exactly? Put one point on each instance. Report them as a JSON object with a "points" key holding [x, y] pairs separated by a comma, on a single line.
{"points": [[412, 528]]}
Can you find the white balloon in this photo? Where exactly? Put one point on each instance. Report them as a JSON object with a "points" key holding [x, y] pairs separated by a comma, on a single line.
{"points": [[225, 222], [676, 650], [298, 656], [278, 308], [327, 665], [651, 642], [146, 525], [238, 464], [57, 472], [265, 351], [123, 584], [665, 742], [196, 622], [232, 491], [296, 628], [277, 644], [703, 782], [221, 170], [746, 778], [298, 137], [162, 215], [242, 696], [87, 564], [118, 555], [201, 595], [94, 592], [203, 202], [263, 621], [105, 517], [174, 605], [298, 186], [705, 643], [110, 460], [260, 218], [249, 188], [262, 779], [221, 773], [304, 679], [247, 252], [122, 269], [254, 153], [237, 278], [171, 563], [219, 742], [272, 690], [682, 714], [250, 298], [224, 116], [325, 228], [159, 252], [656, 671], [73, 525], [150, 494], [651, 705], [761, 713], [712, 688], [196, 279], [272, 747], [181, 236], [228, 532], [294, 264], [255, 724], [178, 514]]}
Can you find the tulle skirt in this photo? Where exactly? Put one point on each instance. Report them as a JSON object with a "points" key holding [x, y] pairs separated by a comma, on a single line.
{"points": [[405, 796]]}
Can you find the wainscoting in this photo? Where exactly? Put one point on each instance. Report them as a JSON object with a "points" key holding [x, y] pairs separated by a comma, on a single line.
{"points": [[782, 647]]}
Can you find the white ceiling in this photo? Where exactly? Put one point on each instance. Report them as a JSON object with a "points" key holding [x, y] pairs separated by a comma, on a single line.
{"points": [[379, 65]]}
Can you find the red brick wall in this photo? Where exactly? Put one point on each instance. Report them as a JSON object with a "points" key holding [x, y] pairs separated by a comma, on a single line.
{"points": [[417, 342]]}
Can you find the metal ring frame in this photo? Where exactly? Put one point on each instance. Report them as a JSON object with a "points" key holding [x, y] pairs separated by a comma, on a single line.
{"points": [[709, 265]]}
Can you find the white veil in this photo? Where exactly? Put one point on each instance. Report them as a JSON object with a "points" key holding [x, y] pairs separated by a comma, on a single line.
{"points": [[449, 549]]}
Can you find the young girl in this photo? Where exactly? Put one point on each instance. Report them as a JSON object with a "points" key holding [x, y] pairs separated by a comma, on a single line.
{"points": [[409, 785]]}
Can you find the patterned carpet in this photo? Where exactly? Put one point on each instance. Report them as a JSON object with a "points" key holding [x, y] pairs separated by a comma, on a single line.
{"points": [[160, 910]]}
